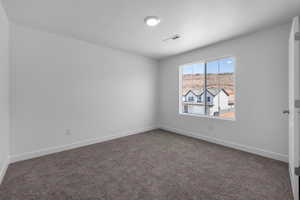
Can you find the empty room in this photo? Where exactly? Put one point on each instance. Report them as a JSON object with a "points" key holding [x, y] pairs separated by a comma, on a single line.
{"points": [[149, 100]]}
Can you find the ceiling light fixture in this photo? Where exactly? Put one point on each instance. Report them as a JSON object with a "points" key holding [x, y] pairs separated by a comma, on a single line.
{"points": [[152, 20]]}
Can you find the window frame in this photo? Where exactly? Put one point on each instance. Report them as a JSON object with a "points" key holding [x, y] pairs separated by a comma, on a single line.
{"points": [[204, 61]]}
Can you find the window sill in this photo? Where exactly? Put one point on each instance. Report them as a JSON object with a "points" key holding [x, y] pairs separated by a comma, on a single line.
{"points": [[206, 116]]}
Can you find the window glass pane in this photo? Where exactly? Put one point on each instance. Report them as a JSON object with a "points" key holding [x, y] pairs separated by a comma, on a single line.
{"points": [[212, 89], [209, 88], [192, 87], [226, 82]]}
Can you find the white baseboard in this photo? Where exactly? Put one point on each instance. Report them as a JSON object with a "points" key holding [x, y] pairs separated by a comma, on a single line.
{"points": [[254, 150], [3, 169], [43, 152]]}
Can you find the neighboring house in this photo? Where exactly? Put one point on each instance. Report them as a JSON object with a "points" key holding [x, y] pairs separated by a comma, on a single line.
{"points": [[191, 96], [217, 100]]}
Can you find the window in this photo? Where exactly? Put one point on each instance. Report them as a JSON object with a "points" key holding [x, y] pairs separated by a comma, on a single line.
{"points": [[199, 99], [191, 98], [212, 82]]}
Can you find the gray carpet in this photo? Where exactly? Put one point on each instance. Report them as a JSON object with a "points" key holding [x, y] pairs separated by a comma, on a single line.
{"points": [[156, 165]]}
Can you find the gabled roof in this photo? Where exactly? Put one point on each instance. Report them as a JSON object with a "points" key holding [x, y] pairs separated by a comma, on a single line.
{"points": [[212, 91], [215, 91], [196, 92]]}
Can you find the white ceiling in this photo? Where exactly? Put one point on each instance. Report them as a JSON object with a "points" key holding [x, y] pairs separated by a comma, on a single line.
{"points": [[119, 23]]}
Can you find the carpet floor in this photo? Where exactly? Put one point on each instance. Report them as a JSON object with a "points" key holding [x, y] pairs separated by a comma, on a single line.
{"points": [[155, 165]]}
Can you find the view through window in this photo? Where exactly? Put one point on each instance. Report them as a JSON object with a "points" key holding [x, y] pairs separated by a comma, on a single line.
{"points": [[208, 88]]}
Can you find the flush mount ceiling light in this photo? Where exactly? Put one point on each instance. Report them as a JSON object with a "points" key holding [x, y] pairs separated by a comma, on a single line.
{"points": [[152, 20]]}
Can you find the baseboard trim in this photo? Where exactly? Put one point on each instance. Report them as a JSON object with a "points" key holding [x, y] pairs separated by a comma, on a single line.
{"points": [[47, 151], [4, 169], [249, 149]]}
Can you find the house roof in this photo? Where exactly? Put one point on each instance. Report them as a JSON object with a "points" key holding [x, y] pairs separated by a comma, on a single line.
{"points": [[212, 91], [195, 91]]}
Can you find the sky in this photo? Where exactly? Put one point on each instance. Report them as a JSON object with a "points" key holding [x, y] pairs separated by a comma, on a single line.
{"points": [[225, 65]]}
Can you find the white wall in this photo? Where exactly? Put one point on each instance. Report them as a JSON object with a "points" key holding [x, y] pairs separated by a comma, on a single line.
{"points": [[4, 92], [61, 83], [262, 94]]}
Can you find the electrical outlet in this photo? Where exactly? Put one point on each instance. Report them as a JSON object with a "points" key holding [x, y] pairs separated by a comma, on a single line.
{"points": [[68, 132]]}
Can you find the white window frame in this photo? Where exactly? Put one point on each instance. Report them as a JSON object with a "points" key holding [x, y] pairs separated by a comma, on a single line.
{"points": [[181, 111]]}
